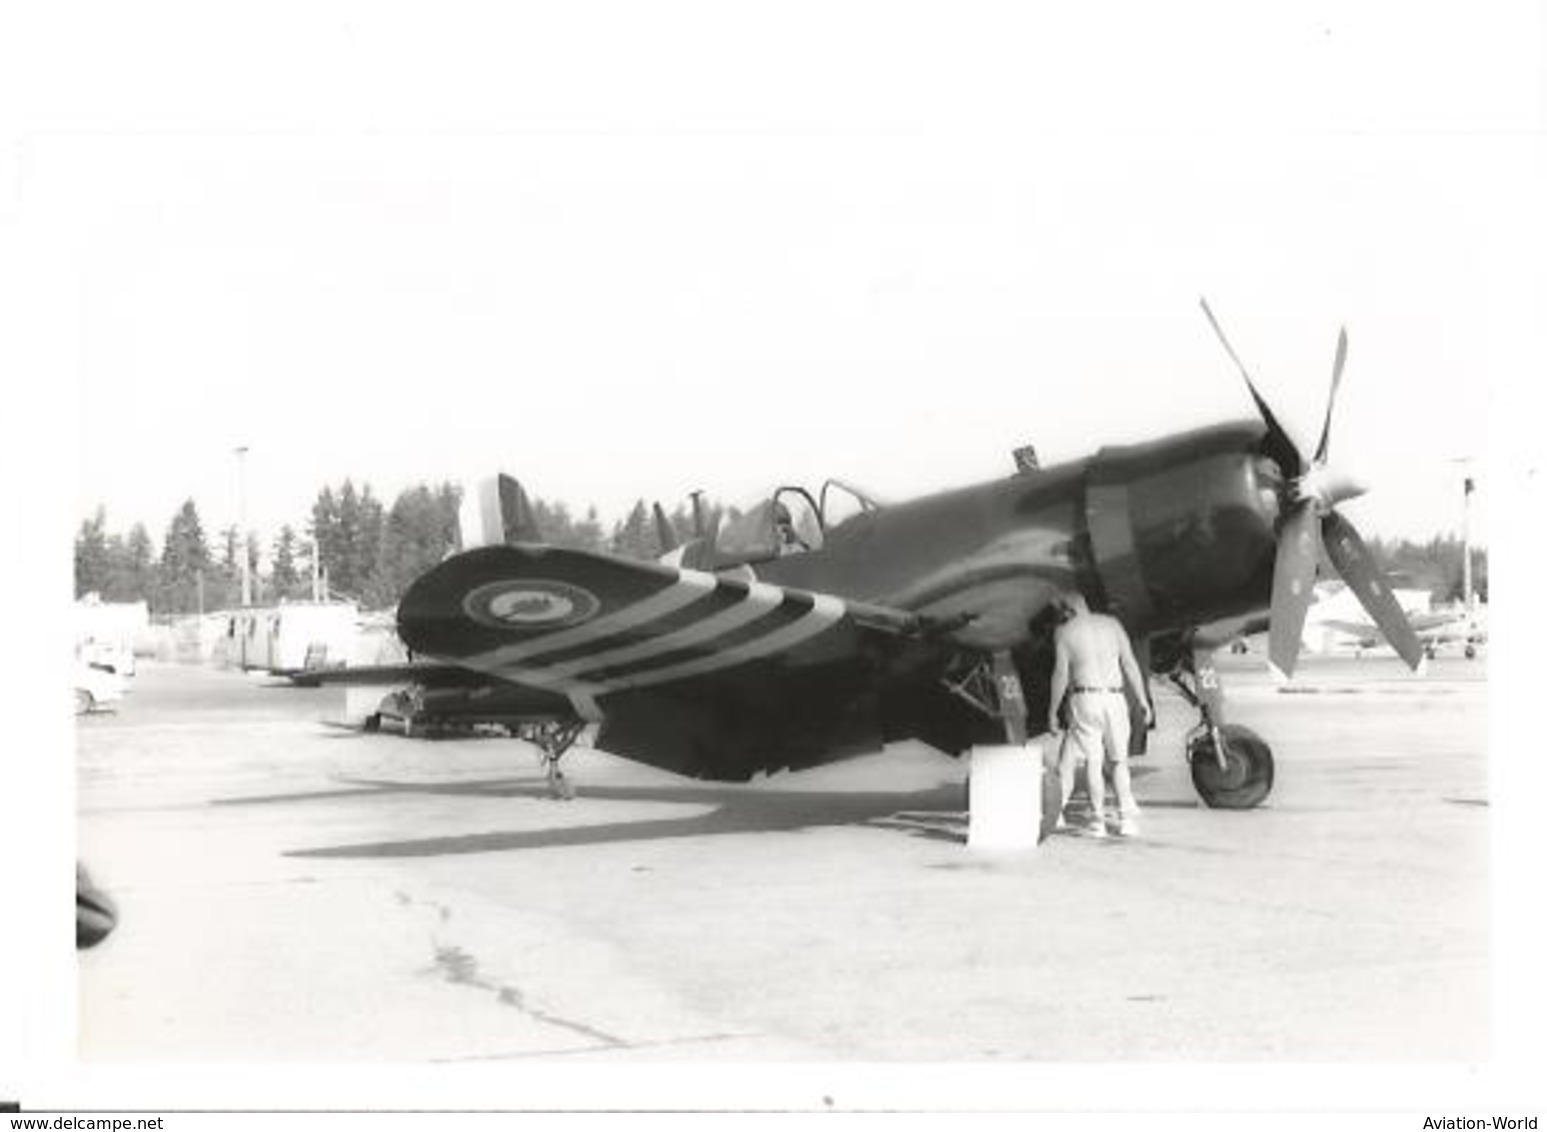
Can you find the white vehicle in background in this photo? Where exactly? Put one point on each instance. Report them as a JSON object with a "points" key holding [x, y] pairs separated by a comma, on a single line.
{"points": [[106, 631], [291, 638], [95, 686], [114, 656]]}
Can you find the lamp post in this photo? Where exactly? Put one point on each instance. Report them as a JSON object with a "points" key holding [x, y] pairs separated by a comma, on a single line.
{"points": [[241, 489], [1466, 542], [316, 557], [1468, 484]]}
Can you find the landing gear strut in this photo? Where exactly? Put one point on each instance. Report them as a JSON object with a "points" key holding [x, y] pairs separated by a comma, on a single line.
{"points": [[552, 740], [1232, 767]]}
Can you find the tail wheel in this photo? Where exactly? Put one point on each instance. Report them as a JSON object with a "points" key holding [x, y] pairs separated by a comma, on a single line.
{"points": [[1245, 779], [83, 701]]}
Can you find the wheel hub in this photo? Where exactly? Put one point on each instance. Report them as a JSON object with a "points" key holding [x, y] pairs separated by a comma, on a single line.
{"points": [[1235, 771]]}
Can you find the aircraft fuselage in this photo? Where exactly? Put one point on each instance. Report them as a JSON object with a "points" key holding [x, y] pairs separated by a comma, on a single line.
{"points": [[1170, 533]]}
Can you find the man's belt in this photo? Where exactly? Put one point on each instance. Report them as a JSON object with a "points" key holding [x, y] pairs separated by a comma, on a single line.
{"points": [[1089, 688]]}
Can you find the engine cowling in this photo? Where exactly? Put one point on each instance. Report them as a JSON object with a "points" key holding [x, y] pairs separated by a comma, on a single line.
{"points": [[1182, 530]]}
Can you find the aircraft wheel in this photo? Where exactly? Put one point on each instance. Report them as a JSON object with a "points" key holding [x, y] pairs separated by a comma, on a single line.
{"points": [[1244, 781], [83, 701], [372, 723], [1471, 652]]}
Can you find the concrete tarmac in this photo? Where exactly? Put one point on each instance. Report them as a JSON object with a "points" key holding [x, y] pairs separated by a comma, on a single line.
{"points": [[294, 892]]}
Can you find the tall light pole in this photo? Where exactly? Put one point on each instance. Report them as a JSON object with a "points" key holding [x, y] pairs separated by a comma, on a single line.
{"points": [[241, 490], [1466, 541], [316, 569], [1467, 486]]}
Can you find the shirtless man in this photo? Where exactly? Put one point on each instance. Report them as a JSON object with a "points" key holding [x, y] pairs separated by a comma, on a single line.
{"points": [[1093, 660]]}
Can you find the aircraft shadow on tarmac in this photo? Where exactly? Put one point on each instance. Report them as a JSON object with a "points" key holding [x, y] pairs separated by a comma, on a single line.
{"points": [[931, 812], [934, 813]]}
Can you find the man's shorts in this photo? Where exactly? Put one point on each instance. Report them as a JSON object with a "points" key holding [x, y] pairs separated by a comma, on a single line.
{"points": [[1099, 725]]}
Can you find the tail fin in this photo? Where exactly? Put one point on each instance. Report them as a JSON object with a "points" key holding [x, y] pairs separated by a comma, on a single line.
{"points": [[497, 511]]}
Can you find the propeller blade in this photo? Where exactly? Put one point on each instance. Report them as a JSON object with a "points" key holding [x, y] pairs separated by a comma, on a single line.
{"points": [[1337, 379], [1280, 447], [1357, 566], [1294, 577]]}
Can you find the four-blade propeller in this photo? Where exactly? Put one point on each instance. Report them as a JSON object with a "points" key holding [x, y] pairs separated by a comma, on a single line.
{"points": [[1315, 490]]}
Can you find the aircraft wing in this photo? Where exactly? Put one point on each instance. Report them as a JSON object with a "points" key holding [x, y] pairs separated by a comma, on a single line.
{"points": [[418, 672], [702, 674], [445, 692]]}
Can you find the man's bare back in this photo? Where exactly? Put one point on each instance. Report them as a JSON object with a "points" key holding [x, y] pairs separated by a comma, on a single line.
{"points": [[1092, 652], [1095, 643]]}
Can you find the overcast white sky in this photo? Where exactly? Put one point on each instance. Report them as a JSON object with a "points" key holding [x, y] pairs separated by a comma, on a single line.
{"points": [[626, 251]]}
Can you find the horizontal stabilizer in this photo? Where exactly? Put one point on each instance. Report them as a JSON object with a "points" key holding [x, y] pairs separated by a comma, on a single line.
{"points": [[413, 672]]}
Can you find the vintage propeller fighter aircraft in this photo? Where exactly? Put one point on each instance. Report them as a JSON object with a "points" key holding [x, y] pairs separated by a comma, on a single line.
{"points": [[818, 627]]}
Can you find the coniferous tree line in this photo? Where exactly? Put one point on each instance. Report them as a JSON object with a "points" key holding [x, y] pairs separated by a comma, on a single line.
{"points": [[366, 551], [1434, 565]]}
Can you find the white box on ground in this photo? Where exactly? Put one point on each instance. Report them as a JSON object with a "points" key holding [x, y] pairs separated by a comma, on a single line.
{"points": [[1004, 797]]}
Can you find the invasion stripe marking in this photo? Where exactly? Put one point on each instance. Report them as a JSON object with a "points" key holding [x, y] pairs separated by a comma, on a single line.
{"points": [[825, 612], [713, 605], [758, 601], [690, 586], [786, 614]]}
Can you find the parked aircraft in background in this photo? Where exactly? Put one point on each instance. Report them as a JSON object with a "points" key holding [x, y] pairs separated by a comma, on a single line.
{"points": [[822, 625], [1336, 622], [1435, 629]]}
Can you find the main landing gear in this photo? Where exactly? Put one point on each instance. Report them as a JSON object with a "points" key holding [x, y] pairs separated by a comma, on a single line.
{"points": [[552, 739], [1232, 767]]}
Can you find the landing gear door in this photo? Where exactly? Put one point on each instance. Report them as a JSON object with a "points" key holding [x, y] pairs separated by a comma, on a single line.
{"points": [[1139, 734]]}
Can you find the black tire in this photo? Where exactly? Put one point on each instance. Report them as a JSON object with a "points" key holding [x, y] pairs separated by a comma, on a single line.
{"points": [[95, 913], [1471, 652], [83, 702], [1247, 778]]}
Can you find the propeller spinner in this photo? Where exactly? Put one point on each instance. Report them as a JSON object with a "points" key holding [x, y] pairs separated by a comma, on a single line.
{"points": [[1316, 488]]}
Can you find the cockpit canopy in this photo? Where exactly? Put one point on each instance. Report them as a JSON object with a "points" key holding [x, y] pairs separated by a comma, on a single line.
{"points": [[790, 521]]}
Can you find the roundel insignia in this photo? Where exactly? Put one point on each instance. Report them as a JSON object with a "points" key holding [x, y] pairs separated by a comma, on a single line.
{"points": [[532, 603]]}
